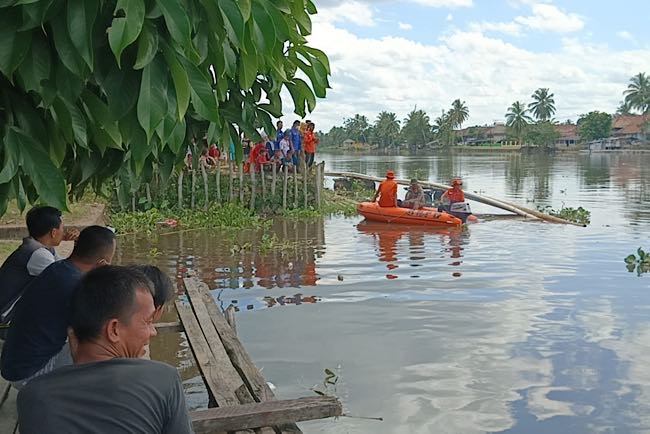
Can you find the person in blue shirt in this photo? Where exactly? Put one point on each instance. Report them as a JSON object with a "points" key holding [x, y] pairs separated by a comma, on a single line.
{"points": [[296, 142], [36, 342], [279, 135]]}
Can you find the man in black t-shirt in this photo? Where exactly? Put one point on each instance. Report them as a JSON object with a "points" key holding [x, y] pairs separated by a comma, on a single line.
{"points": [[108, 389]]}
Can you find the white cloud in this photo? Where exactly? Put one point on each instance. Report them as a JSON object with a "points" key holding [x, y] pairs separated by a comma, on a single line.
{"points": [[548, 17], [355, 12], [624, 34], [396, 73], [450, 17], [446, 3], [510, 28], [404, 26]]}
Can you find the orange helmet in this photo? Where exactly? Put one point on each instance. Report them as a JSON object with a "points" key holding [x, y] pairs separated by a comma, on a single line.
{"points": [[390, 174], [456, 182]]}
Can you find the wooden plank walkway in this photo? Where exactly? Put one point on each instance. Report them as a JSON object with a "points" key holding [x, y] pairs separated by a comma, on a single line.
{"points": [[234, 383]]}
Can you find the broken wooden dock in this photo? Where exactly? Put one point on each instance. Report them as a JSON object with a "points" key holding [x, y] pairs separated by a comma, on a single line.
{"points": [[240, 397]]}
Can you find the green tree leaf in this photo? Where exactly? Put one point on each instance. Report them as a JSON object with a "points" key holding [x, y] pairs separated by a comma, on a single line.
{"points": [[181, 82], [45, 176], [64, 47], [36, 66], [203, 98], [147, 46], [177, 22], [152, 101], [125, 29], [14, 45], [233, 21], [81, 16]]}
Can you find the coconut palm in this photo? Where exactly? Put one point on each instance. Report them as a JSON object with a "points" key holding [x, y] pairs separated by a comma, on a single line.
{"points": [[417, 128], [387, 128], [624, 108], [458, 113], [543, 105], [443, 127], [517, 119], [637, 94]]}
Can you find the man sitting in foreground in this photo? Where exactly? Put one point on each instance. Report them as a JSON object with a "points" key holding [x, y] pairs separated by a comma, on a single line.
{"points": [[387, 191], [108, 389], [36, 341], [36, 253], [414, 196]]}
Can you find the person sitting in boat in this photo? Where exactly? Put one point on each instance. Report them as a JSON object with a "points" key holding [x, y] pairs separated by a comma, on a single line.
{"points": [[414, 196], [387, 191], [453, 195]]}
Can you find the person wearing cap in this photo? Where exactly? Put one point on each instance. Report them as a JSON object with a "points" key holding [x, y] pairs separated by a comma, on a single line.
{"points": [[387, 191], [454, 194], [414, 196]]}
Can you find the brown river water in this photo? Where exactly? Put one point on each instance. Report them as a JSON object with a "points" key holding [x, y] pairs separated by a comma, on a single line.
{"points": [[509, 326]]}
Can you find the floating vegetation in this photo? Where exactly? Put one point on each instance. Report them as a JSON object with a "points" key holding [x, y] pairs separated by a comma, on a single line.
{"points": [[576, 215], [328, 387], [639, 262]]}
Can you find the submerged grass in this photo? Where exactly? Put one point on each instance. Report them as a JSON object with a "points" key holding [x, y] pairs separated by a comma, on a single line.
{"points": [[232, 216]]}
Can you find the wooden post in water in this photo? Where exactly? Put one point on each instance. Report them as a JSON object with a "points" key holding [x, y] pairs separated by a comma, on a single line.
{"points": [[180, 189], [252, 172], [218, 181], [193, 197], [263, 177], [230, 318], [241, 183], [305, 175], [275, 169], [284, 187], [231, 180], [317, 185], [204, 175], [295, 187]]}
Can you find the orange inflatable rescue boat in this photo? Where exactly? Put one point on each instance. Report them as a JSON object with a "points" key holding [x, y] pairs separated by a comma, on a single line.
{"points": [[423, 216]]}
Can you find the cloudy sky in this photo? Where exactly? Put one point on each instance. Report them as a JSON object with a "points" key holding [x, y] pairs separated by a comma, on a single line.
{"points": [[395, 55]]}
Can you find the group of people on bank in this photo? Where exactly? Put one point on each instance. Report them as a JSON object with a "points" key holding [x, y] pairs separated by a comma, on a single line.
{"points": [[289, 149], [414, 199], [75, 331]]}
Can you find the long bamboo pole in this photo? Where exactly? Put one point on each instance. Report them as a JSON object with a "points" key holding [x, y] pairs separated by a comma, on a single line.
{"points": [[180, 190], [263, 178], [193, 197], [497, 203], [231, 180], [275, 169], [204, 175]]}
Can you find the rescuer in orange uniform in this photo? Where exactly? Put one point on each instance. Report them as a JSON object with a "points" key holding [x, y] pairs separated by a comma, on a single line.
{"points": [[387, 191], [454, 194]]}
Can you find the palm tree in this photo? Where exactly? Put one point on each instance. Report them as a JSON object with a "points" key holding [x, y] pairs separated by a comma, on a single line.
{"points": [[458, 113], [517, 119], [417, 128], [624, 108], [443, 127], [387, 128], [357, 128], [543, 105], [637, 94]]}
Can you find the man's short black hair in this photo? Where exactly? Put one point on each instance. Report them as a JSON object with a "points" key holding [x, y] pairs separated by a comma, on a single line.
{"points": [[296, 122], [103, 294], [94, 243], [41, 220], [163, 288]]}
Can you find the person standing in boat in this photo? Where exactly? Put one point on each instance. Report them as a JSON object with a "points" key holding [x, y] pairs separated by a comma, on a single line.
{"points": [[454, 194], [414, 196], [387, 191]]}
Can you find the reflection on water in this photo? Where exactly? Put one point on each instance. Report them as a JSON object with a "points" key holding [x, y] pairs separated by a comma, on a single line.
{"points": [[422, 243], [508, 326]]}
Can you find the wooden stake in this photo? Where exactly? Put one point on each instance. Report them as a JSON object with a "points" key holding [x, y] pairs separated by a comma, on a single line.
{"points": [[295, 187], [218, 180], [263, 176], [231, 180], [284, 187], [193, 201], [252, 172], [317, 185], [206, 199], [180, 190], [241, 183], [275, 168], [305, 175], [230, 317]]}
